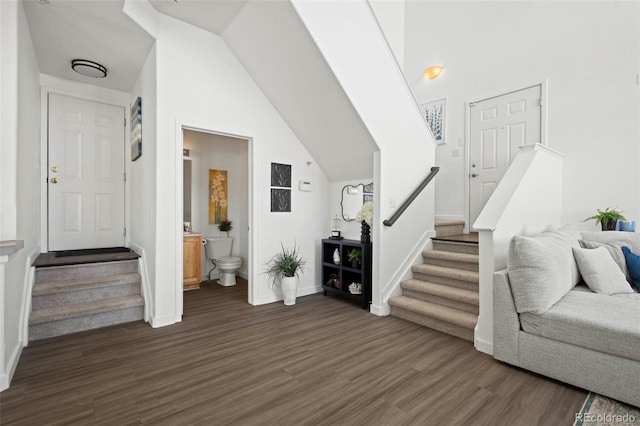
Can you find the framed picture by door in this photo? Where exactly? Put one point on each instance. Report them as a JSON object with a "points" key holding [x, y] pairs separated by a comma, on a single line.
{"points": [[434, 114]]}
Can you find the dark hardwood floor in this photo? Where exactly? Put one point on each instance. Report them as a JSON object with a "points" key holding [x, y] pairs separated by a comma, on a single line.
{"points": [[322, 361]]}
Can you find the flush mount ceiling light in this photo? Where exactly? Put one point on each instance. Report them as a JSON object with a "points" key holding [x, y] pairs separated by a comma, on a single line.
{"points": [[433, 72], [88, 68]]}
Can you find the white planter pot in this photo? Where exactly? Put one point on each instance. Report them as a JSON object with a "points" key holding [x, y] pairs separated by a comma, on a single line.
{"points": [[289, 290]]}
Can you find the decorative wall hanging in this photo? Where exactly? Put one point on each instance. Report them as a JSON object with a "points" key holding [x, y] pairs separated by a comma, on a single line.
{"points": [[281, 194], [218, 196], [434, 114], [280, 200], [136, 129], [281, 175]]}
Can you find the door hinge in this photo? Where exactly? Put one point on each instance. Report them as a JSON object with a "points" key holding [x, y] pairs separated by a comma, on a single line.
{"points": [[124, 176], [125, 122], [539, 101], [124, 232]]}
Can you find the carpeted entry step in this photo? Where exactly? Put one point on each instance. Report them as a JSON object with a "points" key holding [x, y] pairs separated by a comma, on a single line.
{"points": [[452, 297], [60, 320], [438, 317], [58, 293], [86, 270], [448, 259]]}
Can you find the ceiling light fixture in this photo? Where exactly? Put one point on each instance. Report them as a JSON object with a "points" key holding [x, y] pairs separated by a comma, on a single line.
{"points": [[88, 68], [433, 72]]}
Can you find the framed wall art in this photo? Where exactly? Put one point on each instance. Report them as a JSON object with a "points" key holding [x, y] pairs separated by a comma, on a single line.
{"points": [[136, 129], [434, 114]]}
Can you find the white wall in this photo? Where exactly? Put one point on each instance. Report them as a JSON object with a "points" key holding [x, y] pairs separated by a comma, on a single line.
{"points": [[201, 85], [353, 45], [390, 16], [217, 152], [588, 51], [24, 184]]}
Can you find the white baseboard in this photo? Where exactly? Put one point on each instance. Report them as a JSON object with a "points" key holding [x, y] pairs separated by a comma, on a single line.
{"points": [[157, 322], [381, 311], [483, 346], [144, 276], [302, 291], [5, 379]]}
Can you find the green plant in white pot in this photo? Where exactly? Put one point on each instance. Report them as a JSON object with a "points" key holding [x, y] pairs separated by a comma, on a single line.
{"points": [[286, 267]]}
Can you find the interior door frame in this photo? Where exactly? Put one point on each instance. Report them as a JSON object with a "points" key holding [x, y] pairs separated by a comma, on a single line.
{"points": [[51, 85], [182, 124], [544, 88]]}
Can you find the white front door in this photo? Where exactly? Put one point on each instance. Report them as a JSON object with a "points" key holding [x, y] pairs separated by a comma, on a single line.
{"points": [[85, 174], [498, 126]]}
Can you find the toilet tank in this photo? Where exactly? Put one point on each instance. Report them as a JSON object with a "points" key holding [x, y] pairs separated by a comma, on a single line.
{"points": [[218, 247]]}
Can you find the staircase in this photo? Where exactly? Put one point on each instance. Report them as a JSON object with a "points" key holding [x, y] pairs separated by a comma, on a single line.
{"points": [[71, 298], [443, 293]]}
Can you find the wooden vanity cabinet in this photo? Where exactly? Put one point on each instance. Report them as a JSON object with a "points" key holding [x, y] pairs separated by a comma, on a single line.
{"points": [[192, 262]]}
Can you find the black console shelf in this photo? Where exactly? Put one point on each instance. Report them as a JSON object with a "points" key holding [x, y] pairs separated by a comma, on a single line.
{"points": [[345, 272]]}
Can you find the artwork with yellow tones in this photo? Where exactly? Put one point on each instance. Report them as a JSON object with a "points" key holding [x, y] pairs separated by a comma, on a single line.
{"points": [[218, 197]]}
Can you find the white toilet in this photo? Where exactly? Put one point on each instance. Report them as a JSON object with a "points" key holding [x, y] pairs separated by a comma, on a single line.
{"points": [[218, 250]]}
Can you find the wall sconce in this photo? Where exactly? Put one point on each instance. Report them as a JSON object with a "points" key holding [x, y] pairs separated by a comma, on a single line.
{"points": [[433, 72]]}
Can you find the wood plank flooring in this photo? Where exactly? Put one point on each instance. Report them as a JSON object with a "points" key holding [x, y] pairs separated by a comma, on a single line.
{"points": [[323, 361]]}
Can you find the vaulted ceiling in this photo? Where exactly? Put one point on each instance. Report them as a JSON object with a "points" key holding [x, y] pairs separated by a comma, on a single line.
{"points": [[266, 36]]}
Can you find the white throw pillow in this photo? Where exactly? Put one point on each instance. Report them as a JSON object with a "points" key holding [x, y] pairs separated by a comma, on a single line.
{"points": [[615, 251], [540, 271], [600, 271]]}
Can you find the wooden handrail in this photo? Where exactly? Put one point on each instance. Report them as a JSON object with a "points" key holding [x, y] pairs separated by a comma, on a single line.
{"points": [[389, 222]]}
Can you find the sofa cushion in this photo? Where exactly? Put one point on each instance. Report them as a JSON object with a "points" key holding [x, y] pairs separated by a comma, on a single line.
{"points": [[600, 271], [615, 250], [608, 324], [631, 238], [541, 269], [633, 263]]}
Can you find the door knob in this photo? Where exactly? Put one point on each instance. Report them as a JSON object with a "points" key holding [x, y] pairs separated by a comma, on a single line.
{"points": [[54, 169], [472, 175], [54, 180]]}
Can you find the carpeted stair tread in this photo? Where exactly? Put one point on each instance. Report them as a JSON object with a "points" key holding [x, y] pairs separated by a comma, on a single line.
{"points": [[455, 274], [453, 293], [450, 255], [452, 316], [39, 316], [53, 287], [85, 271]]}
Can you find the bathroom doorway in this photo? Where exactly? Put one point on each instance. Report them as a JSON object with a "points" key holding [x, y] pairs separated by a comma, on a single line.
{"points": [[216, 188]]}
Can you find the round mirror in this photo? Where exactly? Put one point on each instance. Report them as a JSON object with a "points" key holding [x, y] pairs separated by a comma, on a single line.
{"points": [[353, 197]]}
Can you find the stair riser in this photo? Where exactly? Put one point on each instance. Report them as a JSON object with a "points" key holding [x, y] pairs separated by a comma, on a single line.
{"points": [[448, 230], [466, 285], [83, 323], [466, 266], [91, 270], [442, 326], [84, 296], [455, 304], [455, 247]]}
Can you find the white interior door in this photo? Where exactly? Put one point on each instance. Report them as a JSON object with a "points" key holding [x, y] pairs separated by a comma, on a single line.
{"points": [[498, 126], [85, 174]]}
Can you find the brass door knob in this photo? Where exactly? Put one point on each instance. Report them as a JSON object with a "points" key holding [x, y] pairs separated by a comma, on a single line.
{"points": [[54, 180], [54, 169]]}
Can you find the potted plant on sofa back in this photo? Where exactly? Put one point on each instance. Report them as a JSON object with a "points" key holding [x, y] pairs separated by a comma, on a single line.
{"points": [[286, 266], [607, 219]]}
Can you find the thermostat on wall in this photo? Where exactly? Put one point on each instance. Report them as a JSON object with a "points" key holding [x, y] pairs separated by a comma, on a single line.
{"points": [[305, 185]]}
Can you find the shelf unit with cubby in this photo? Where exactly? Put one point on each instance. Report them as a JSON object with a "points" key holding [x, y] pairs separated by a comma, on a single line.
{"points": [[345, 272]]}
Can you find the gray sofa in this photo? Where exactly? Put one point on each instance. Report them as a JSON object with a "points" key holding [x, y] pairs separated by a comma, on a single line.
{"points": [[548, 321]]}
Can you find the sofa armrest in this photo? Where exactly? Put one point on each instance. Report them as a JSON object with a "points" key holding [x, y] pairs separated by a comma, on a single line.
{"points": [[506, 323]]}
